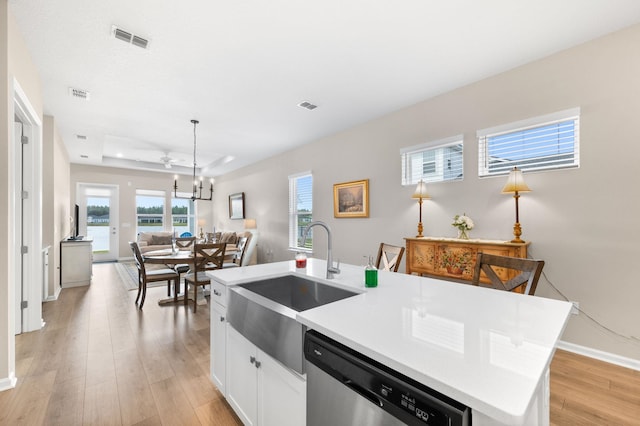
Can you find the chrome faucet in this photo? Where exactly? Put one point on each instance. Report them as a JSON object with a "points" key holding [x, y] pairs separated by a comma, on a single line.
{"points": [[331, 270]]}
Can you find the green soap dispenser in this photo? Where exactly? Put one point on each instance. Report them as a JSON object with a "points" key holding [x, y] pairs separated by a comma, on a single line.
{"points": [[370, 274]]}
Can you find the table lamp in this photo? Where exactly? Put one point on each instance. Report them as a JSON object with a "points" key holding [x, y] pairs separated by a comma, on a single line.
{"points": [[420, 194], [515, 185]]}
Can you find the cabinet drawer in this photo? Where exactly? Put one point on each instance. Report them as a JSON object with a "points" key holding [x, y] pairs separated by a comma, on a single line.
{"points": [[219, 293], [455, 259]]}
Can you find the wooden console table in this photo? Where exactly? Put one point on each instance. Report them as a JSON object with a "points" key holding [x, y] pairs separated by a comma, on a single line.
{"points": [[455, 259]]}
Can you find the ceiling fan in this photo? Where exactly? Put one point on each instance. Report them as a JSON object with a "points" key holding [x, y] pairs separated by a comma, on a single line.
{"points": [[168, 161]]}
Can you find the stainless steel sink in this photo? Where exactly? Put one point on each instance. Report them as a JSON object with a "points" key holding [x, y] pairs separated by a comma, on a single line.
{"points": [[265, 313]]}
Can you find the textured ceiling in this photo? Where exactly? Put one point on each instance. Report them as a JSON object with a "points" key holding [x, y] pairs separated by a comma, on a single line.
{"points": [[241, 67]]}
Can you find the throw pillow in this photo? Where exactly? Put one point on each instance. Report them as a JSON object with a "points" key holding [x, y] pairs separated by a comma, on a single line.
{"points": [[229, 238], [161, 240]]}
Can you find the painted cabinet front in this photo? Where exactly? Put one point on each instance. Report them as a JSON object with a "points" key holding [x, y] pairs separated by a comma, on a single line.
{"points": [[455, 259], [261, 391]]}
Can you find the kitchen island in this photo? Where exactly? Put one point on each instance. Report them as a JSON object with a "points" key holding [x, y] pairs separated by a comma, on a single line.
{"points": [[487, 349]]}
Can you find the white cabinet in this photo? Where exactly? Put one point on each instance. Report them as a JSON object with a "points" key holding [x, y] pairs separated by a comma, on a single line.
{"points": [[282, 395], [242, 387], [260, 390], [76, 258], [218, 346]]}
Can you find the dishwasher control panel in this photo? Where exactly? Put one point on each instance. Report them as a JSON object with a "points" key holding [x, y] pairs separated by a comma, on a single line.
{"points": [[405, 399]]}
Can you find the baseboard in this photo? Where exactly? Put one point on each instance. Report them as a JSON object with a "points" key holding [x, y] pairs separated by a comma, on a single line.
{"points": [[54, 296], [622, 361], [8, 382], [125, 259]]}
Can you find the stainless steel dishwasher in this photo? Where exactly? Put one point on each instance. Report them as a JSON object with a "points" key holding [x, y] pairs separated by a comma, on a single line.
{"points": [[345, 387]]}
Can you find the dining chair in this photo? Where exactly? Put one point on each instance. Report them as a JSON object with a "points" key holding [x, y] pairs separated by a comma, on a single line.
{"points": [[493, 265], [389, 257], [238, 257], [207, 257], [183, 243], [155, 275]]}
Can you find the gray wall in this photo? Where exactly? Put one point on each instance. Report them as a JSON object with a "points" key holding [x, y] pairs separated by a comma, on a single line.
{"points": [[580, 221]]}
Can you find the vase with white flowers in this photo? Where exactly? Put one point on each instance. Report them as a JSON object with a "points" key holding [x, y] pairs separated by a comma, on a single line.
{"points": [[464, 225]]}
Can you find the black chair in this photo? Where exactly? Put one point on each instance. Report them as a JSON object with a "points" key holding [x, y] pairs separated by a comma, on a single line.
{"points": [[238, 257], [389, 257], [155, 275], [207, 257], [492, 265]]}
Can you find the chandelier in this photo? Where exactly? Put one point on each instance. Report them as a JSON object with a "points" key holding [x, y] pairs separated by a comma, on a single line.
{"points": [[196, 192]]}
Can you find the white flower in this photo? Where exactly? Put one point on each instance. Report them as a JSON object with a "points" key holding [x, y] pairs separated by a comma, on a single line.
{"points": [[463, 222]]}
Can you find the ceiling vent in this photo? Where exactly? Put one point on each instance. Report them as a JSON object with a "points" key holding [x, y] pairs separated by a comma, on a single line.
{"points": [[81, 137], [79, 93], [84, 156], [129, 37], [307, 105]]}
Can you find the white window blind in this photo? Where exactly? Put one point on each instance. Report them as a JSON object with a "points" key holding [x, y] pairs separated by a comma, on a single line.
{"points": [[300, 210], [433, 162], [541, 143]]}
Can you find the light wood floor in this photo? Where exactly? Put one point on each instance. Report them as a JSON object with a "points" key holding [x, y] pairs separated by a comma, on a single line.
{"points": [[99, 361], [585, 391]]}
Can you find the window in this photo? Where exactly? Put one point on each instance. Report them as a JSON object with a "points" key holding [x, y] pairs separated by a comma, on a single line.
{"points": [[150, 210], [541, 143], [300, 210], [436, 161], [183, 215]]}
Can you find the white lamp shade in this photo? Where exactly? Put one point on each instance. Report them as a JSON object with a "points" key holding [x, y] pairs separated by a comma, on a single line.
{"points": [[250, 224], [515, 182], [421, 191]]}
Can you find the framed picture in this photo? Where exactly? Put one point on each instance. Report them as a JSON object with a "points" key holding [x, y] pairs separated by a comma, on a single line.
{"points": [[236, 206], [351, 199]]}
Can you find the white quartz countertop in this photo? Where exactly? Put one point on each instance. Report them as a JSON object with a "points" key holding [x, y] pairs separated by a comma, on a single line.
{"points": [[485, 348]]}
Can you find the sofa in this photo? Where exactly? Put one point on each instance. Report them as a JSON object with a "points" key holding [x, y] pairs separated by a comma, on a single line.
{"points": [[158, 240]]}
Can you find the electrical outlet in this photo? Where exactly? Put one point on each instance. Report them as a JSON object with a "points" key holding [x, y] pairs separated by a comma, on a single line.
{"points": [[575, 310]]}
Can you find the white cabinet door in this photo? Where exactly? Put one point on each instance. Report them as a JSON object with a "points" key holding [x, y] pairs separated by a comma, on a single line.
{"points": [[218, 346], [76, 259], [282, 394], [242, 378]]}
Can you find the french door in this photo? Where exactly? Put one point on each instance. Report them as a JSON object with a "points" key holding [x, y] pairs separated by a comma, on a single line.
{"points": [[98, 219]]}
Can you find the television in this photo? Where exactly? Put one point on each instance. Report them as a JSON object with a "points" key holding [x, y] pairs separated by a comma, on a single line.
{"points": [[76, 222]]}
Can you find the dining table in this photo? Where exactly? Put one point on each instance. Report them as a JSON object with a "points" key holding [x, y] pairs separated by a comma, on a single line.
{"points": [[180, 257]]}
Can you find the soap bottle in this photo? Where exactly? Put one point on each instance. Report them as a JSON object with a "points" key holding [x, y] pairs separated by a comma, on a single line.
{"points": [[370, 274]]}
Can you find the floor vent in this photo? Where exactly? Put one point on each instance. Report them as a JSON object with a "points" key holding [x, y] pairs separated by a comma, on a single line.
{"points": [[129, 37]]}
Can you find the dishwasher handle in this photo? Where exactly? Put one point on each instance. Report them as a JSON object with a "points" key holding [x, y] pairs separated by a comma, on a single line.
{"points": [[365, 393]]}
